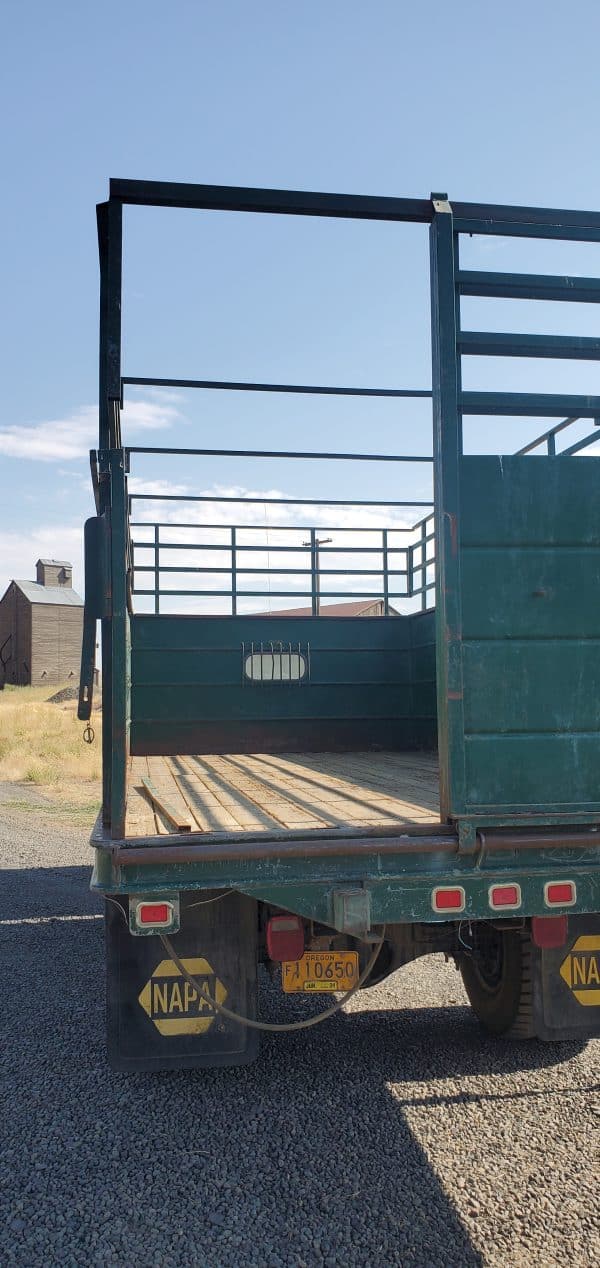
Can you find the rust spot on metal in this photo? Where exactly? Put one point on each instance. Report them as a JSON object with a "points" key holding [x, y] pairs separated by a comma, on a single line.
{"points": [[453, 525], [274, 851], [455, 695]]}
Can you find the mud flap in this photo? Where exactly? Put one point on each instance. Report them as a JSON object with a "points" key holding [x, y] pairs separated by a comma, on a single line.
{"points": [[154, 1019], [566, 984]]}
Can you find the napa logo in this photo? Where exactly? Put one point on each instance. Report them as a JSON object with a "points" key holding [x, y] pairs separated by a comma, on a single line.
{"points": [[581, 970], [172, 1003]]}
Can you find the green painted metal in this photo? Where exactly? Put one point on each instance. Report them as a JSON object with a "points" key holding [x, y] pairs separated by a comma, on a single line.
{"points": [[120, 645], [400, 885], [187, 673], [530, 576], [513, 658], [447, 445]]}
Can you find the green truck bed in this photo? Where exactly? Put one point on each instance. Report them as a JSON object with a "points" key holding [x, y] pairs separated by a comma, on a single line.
{"points": [[426, 776]]}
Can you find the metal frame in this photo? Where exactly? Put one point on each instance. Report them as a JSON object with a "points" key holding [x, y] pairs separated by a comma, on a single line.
{"points": [[450, 343], [416, 562]]}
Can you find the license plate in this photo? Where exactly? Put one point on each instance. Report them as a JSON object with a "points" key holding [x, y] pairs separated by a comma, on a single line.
{"points": [[321, 971]]}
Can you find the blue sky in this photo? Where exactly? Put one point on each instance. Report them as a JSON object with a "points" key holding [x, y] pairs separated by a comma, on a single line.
{"points": [[382, 98]]}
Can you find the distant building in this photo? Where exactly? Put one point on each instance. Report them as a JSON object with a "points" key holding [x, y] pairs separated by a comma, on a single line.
{"points": [[358, 607], [41, 626]]}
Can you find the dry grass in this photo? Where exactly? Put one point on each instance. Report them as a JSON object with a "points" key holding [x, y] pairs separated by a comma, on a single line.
{"points": [[42, 744]]}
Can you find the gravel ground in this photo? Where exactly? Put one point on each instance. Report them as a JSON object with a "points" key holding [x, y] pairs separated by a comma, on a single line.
{"points": [[393, 1135]]}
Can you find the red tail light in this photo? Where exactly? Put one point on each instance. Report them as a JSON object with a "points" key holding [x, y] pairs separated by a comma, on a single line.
{"points": [[448, 899], [157, 914], [285, 938], [505, 896], [560, 893]]}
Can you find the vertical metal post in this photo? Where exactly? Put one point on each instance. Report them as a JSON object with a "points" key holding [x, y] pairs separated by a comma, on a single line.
{"points": [[110, 242], [424, 564], [314, 572], [233, 574], [386, 580], [110, 246], [314, 544], [156, 569], [447, 441], [120, 683], [552, 445]]}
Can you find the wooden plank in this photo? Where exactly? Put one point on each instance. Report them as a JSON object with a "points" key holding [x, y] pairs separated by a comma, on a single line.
{"points": [[180, 823], [140, 817], [236, 794]]}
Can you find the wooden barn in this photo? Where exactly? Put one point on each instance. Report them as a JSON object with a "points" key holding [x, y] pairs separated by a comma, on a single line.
{"points": [[41, 625]]}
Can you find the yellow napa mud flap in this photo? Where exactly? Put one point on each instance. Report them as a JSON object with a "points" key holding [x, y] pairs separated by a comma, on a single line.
{"points": [[155, 1020], [566, 984]]}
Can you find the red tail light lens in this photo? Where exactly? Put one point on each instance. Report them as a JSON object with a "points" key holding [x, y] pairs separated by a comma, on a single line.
{"points": [[158, 914], [549, 931], [285, 938], [505, 896], [560, 893], [449, 899]]}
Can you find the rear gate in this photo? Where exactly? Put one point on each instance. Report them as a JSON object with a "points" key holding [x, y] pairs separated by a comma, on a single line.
{"points": [[518, 543]]}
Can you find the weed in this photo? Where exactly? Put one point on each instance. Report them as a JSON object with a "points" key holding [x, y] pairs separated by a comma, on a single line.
{"points": [[42, 744]]}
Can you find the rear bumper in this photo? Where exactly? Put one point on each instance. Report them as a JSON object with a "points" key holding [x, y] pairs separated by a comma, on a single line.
{"points": [[399, 873]]}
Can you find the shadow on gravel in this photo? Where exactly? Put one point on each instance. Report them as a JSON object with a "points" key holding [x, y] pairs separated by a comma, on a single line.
{"points": [[303, 1159]]}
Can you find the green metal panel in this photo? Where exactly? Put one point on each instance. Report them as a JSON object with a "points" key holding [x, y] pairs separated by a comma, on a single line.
{"points": [[269, 701], [531, 592], [423, 679], [187, 674], [534, 772], [530, 580], [544, 685], [176, 633], [529, 501], [222, 667]]}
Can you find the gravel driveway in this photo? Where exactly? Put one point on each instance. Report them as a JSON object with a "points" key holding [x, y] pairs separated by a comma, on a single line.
{"points": [[393, 1135]]}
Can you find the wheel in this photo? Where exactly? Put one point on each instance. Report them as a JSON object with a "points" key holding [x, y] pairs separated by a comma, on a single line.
{"points": [[498, 980]]}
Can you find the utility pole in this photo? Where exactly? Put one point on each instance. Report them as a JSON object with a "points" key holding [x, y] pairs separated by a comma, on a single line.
{"points": [[314, 543]]}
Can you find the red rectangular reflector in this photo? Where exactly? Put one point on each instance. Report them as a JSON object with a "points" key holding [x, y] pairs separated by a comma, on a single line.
{"points": [[285, 938], [451, 899], [560, 893], [505, 896], [154, 913]]}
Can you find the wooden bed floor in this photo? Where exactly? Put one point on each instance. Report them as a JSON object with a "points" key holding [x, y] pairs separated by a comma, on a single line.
{"points": [[262, 792]]}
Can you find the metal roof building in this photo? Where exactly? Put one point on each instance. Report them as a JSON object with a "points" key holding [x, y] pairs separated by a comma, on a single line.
{"points": [[358, 607], [41, 625]]}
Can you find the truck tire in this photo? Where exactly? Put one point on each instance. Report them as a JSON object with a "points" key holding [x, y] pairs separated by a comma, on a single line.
{"points": [[497, 977]]}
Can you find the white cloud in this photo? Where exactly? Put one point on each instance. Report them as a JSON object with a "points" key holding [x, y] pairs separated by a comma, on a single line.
{"points": [[69, 438], [156, 488], [263, 525], [263, 513]]}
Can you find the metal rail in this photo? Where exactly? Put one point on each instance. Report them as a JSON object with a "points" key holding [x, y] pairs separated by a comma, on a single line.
{"points": [[261, 501], [280, 453], [303, 389], [549, 438], [415, 559]]}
